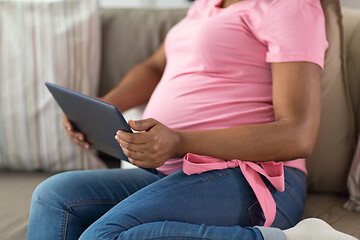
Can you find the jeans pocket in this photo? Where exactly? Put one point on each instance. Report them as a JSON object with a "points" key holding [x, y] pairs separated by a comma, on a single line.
{"points": [[256, 214]]}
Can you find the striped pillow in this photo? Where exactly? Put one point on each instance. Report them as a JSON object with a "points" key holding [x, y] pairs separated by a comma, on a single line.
{"points": [[44, 40], [354, 182]]}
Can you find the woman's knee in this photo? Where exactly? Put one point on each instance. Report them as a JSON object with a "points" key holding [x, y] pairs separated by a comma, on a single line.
{"points": [[89, 234], [99, 231], [56, 188], [112, 225]]}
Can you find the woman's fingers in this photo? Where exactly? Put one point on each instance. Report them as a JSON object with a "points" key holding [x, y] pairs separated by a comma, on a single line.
{"points": [[66, 123], [138, 156], [83, 144], [133, 147], [143, 125], [134, 138], [151, 147], [76, 137]]}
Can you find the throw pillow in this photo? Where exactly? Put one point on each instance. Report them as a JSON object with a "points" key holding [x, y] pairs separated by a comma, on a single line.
{"points": [[331, 159], [56, 41], [352, 36], [354, 183]]}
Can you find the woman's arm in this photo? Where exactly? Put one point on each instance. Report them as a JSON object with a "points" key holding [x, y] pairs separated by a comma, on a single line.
{"points": [[297, 106], [137, 86], [297, 101], [135, 89]]}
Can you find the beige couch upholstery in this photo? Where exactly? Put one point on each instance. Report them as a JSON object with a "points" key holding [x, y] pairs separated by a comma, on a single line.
{"points": [[129, 36]]}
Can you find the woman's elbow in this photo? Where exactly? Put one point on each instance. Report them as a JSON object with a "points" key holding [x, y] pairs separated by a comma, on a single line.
{"points": [[306, 144]]}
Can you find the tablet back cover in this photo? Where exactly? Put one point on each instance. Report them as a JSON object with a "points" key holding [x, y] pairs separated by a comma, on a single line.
{"points": [[97, 120]]}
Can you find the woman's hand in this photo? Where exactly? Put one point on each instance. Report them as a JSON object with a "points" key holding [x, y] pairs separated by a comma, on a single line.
{"points": [[151, 147], [76, 137]]}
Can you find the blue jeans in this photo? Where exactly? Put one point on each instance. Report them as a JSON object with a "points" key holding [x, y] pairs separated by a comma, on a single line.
{"points": [[135, 204]]}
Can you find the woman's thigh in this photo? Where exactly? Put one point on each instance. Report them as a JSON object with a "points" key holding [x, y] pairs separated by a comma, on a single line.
{"points": [[290, 203], [219, 198], [64, 205], [216, 198]]}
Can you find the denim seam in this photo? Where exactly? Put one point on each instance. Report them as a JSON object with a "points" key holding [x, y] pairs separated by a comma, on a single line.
{"points": [[249, 212], [172, 237], [217, 176], [50, 205], [73, 204], [190, 238], [295, 196], [69, 205], [293, 173], [64, 228]]}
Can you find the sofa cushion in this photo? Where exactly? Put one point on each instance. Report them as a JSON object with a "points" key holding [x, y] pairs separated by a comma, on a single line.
{"points": [[129, 36], [16, 192], [331, 159], [351, 22], [55, 41], [329, 208]]}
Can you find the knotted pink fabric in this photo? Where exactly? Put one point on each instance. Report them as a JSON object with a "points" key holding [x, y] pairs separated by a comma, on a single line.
{"points": [[273, 171]]}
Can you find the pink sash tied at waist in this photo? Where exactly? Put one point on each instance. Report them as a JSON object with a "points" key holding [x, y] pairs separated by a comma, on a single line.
{"points": [[273, 171]]}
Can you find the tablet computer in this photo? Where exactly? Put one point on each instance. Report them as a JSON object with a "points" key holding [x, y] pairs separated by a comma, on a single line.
{"points": [[97, 120]]}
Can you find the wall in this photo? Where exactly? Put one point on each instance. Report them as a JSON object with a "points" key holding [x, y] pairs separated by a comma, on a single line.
{"points": [[351, 3]]}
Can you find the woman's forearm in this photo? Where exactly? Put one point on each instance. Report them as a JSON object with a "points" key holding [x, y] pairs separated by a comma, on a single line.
{"points": [[281, 140], [276, 141], [135, 89], [137, 86]]}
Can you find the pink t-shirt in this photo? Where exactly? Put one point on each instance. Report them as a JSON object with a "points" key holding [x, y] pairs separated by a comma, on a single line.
{"points": [[218, 72]]}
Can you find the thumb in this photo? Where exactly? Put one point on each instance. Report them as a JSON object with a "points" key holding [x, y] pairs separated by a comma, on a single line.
{"points": [[143, 125]]}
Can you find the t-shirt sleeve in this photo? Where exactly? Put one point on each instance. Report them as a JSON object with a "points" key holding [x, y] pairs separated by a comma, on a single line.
{"points": [[294, 30]]}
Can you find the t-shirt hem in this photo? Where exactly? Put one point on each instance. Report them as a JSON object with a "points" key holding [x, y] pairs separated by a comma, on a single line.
{"points": [[294, 58]]}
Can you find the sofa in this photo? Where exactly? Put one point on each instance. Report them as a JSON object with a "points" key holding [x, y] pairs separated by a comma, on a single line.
{"points": [[131, 35]]}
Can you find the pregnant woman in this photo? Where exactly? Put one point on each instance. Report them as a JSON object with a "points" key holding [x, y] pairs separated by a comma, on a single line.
{"points": [[234, 97]]}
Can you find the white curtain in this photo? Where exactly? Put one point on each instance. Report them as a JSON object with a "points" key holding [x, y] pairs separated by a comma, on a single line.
{"points": [[146, 3]]}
